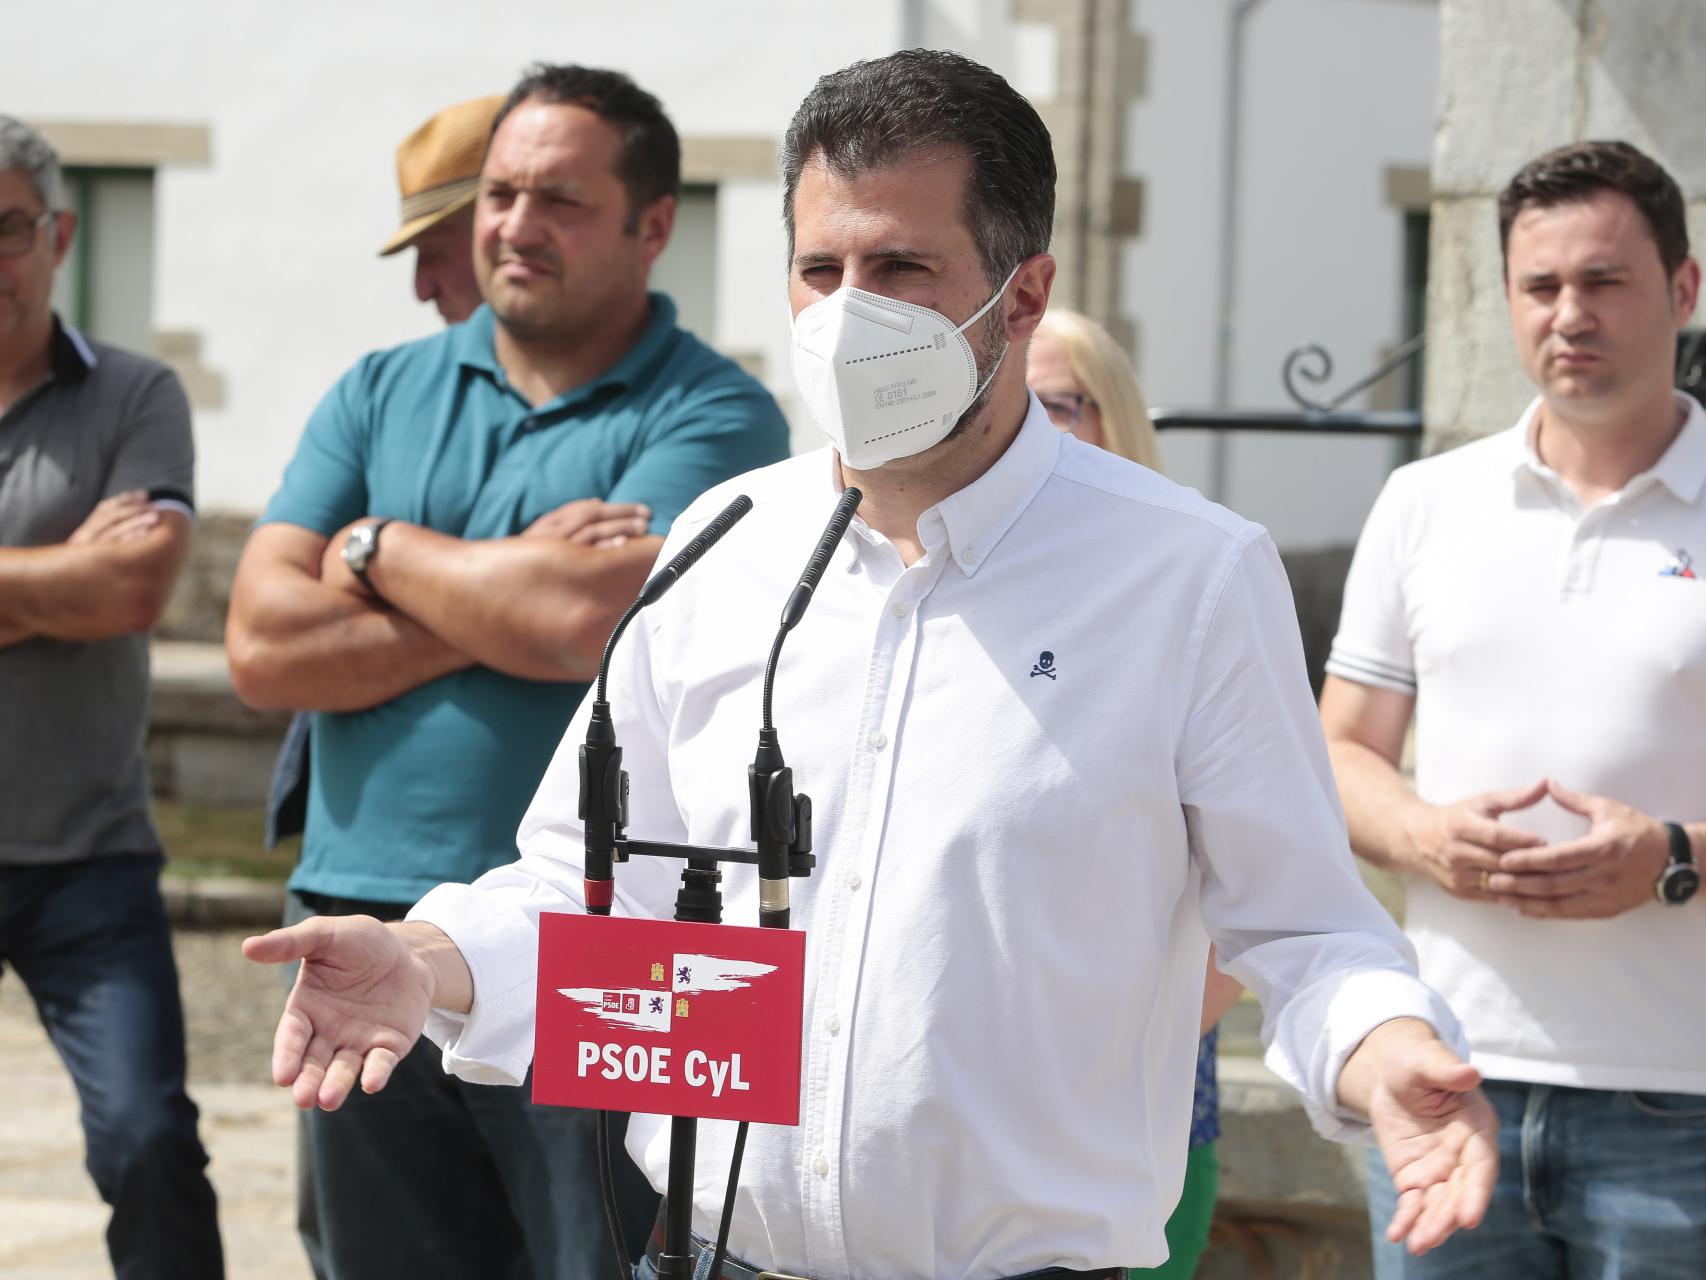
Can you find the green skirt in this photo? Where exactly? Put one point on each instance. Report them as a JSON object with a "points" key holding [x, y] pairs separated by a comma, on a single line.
{"points": [[1187, 1229]]}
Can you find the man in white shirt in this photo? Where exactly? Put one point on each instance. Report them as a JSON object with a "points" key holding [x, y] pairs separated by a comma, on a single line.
{"points": [[1533, 593], [1046, 703]]}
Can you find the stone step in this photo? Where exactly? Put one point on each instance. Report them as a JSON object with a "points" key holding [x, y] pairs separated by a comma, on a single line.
{"points": [[204, 745]]}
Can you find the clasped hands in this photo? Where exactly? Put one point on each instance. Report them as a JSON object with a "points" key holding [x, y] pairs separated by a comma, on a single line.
{"points": [[1465, 849]]}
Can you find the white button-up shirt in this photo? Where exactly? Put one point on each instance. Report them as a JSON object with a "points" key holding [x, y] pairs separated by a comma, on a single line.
{"points": [[1543, 639], [1041, 757]]}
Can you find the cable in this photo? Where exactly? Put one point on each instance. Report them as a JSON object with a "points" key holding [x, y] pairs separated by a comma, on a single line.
{"points": [[729, 1202], [607, 1188]]}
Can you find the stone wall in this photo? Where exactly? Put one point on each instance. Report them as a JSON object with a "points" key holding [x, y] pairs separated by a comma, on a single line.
{"points": [[196, 611], [1517, 78]]}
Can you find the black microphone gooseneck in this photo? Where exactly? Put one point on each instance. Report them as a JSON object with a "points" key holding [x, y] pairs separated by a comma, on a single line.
{"points": [[776, 816], [604, 798], [604, 786], [781, 828]]}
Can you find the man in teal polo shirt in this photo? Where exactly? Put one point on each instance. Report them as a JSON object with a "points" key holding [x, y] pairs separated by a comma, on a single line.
{"points": [[463, 521]]}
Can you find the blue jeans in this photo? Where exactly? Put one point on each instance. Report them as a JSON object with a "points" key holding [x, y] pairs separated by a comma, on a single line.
{"points": [[433, 1176], [1593, 1184], [90, 941]]}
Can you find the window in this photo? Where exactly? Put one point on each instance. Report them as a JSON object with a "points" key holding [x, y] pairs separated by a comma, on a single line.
{"points": [[1414, 301], [687, 270], [106, 284]]}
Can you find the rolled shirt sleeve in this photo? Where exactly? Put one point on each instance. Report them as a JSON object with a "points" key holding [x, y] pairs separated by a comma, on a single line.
{"points": [[1280, 894]]}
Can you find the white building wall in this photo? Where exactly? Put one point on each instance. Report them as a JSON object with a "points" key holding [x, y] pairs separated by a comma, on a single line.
{"points": [[269, 251], [1334, 93]]}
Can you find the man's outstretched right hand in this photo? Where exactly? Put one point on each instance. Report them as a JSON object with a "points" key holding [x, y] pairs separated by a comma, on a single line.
{"points": [[360, 1000]]}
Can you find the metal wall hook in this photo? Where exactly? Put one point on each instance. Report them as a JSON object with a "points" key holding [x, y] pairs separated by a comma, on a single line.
{"points": [[1321, 369]]}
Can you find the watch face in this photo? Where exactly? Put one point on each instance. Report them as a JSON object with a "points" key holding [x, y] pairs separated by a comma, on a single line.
{"points": [[1679, 884], [359, 548]]}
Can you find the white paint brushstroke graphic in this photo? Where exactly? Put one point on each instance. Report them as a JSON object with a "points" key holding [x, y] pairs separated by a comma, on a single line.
{"points": [[703, 973], [713, 973], [591, 1000]]}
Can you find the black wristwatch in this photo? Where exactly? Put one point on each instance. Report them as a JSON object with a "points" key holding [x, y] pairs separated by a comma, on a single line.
{"points": [[360, 546], [1680, 879]]}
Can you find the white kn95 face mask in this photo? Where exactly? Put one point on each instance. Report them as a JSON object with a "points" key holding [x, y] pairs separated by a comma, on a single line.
{"points": [[885, 379]]}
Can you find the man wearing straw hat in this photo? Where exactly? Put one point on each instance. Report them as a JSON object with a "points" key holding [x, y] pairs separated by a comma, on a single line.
{"points": [[438, 173]]}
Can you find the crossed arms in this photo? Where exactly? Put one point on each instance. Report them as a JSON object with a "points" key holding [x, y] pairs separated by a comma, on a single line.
{"points": [[112, 577], [304, 634]]}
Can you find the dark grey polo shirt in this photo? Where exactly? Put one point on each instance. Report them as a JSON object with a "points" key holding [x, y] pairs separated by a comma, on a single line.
{"points": [[73, 766]]}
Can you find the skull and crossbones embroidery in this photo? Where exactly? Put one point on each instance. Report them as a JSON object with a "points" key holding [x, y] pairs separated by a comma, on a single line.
{"points": [[1045, 665]]}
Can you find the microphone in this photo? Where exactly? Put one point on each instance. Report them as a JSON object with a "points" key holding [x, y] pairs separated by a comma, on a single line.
{"points": [[780, 821], [801, 596], [688, 556], [604, 784]]}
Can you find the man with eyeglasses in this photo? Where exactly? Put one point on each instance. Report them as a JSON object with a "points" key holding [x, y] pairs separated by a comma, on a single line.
{"points": [[96, 471]]}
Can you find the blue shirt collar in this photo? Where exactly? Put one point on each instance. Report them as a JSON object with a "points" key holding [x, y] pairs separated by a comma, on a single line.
{"points": [[473, 341]]}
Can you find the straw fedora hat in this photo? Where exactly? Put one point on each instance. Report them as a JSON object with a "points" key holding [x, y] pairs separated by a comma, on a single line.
{"points": [[438, 167]]}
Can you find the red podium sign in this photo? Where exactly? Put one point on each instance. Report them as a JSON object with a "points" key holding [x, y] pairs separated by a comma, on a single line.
{"points": [[669, 1019]]}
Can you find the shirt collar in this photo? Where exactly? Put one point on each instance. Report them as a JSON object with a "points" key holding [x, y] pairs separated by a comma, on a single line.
{"points": [[979, 515], [1681, 468], [475, 349], [70, 354], [973, 520]]}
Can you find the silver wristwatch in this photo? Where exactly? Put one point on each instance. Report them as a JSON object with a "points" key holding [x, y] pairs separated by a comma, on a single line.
{"points": [[360, 547]]}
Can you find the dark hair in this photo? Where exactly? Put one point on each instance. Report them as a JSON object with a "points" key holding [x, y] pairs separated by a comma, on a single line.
{"points": [[1582, 169], [879, 112], [650, 162]]}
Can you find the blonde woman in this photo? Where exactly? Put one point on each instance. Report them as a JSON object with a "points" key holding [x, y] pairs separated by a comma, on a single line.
{"points": [[1090, 390], [1087, 384]]}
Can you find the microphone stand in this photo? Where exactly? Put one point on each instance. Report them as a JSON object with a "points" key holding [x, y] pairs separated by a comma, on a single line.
{"points": [[604, 801], [781, 831]]}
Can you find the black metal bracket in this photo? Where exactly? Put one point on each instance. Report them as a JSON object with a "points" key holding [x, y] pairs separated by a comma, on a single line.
{"points": [[800, 859], [1320, 368]]}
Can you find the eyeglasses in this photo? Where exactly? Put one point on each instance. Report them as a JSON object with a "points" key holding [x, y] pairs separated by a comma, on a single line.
{"points": [[18, 231], [1065, 409]]}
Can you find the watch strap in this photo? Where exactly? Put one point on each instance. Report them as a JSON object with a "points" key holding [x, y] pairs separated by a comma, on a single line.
{"points": [[1681, 851], [1680, 880]]}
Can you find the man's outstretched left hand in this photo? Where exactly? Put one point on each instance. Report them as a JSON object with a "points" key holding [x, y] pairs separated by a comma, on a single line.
{"points": [[1435, 1128]]}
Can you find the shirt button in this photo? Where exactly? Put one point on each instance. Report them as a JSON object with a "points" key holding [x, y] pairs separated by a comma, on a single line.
{"points": [[968, 556], [820, 1166], [878, 740], [833, 1025], [854, 880], [900, 609]]}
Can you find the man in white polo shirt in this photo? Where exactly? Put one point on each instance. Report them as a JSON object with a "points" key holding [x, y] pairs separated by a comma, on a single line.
{"points": [[1533, 593]]}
